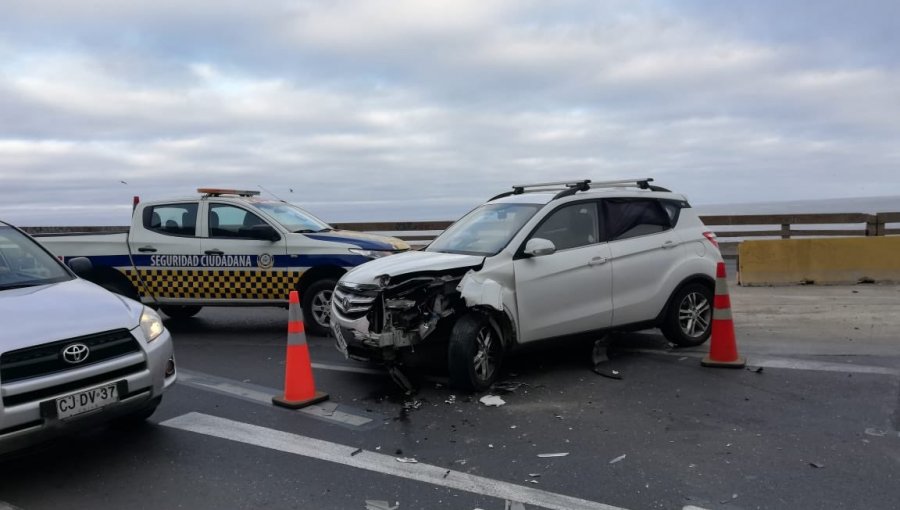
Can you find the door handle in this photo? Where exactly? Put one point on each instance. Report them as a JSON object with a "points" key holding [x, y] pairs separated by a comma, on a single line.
{"points": [[147, 249], [596, 261], [668, 244], [214, 252]]}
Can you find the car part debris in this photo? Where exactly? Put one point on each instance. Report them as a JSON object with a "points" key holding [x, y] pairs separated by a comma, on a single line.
{"points": [[549, 455], [407, 460], [451, 400], [492, 401], [401, 380], [816, 465], [618, 459], [600, 358], [372, 504], [534, 475], [356, 452], [411, 405]]}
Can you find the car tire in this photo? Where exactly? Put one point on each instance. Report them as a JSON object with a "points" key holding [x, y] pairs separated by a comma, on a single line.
{"points": [[316, 303], [475, 353], [688, 321], [138, 417], [180, 311]]}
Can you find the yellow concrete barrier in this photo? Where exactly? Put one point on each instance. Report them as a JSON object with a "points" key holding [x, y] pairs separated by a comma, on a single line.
{"points": [[833, 261]]}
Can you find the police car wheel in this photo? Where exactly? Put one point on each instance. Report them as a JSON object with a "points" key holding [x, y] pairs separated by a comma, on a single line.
{"points": [[179, 311], [317, 307]]}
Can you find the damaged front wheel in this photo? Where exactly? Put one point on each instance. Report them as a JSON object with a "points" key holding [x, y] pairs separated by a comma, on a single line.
{"points": [[475, 353]]}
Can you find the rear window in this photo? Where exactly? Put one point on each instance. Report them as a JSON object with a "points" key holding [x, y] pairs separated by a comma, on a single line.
{"points": [[633, 217], [172, 219]]}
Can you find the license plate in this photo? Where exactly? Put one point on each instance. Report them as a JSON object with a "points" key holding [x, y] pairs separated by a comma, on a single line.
{"points": [[339, 341], [87, 400]]}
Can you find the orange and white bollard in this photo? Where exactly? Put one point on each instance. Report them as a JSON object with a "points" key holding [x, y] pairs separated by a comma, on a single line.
{"points": [[299, 387], [723, 345]]}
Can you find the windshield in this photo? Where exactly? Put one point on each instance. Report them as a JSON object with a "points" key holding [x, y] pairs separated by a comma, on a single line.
{"points": [[292, 217], [24, 264], [484, 231]]}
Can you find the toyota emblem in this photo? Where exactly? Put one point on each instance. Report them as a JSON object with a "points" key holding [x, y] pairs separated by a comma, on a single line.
{"points": [[346, 303], [75, 353]]}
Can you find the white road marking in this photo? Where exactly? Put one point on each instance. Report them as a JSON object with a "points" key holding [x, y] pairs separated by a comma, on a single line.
{"points": [[262, 395], [347, 368], [340, 454], [788, 363]]}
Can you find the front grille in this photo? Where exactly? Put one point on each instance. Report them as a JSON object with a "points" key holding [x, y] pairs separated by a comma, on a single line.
{"points": [[353, 303], [14, 400], [47, 358]]}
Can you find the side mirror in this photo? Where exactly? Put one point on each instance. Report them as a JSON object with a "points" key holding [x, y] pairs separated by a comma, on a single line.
{"points": [[264, 233], [537, 247], [81, 266]]}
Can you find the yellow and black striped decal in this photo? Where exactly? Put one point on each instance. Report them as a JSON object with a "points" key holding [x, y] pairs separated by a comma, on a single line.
{"points": [[215, 283]]}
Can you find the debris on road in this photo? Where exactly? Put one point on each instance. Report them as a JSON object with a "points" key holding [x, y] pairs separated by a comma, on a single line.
{"points": [[401, 380], [451, 400], [328, 408], [505, 387], [492, 401], [372, 504], [618, 459], [817, 465], [356, 452], [407, 460], [549, 455], [757, 370], [412, 405], [534, 475]]}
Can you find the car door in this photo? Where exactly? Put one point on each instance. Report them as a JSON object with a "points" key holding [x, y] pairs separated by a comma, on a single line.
{"points": [[645, 250], [166, 250], [236, 266], [567, 291]]}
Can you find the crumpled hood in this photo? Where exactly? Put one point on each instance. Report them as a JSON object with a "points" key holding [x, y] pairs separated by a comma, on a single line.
{"points": [[36, 315], [361, 240], [410, 262]]}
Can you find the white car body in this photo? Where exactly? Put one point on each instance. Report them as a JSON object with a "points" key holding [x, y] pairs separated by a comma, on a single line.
{"points": [[40, 321], [601, 285]]}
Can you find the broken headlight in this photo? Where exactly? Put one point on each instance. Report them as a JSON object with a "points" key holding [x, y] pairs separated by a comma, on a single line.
{"points": [[399, 304]]}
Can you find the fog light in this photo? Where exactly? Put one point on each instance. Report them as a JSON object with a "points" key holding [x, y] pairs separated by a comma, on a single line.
{"points": [[170, 367]]}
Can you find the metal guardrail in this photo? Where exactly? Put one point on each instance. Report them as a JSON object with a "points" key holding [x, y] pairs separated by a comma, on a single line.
{"points": [[781, 226]]}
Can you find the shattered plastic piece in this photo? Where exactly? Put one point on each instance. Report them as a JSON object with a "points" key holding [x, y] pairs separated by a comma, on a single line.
{"points": [[447, 473], [548, 455], [451, 400], [534, 475], [817, 465], [407, 460], [612, 374], [875, 432], [490, 445], [380, 505], [534, 482], [505, 387], [617, 459], [412, 404], [328, 408], [513, 426], [492, 401], [356, 452]]}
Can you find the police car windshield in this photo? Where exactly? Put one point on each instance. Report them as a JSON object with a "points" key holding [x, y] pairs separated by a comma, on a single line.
{"points": [[484, 231], [24, 264], [293, 218]]}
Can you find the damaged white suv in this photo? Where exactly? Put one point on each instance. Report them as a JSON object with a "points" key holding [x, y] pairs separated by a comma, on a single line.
{"points": [[542, 261]]}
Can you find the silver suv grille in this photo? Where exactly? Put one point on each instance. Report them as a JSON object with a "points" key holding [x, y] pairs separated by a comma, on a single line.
{"points": [[353, 303]]}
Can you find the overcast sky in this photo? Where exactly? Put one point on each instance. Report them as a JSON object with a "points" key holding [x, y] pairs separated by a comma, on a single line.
{"points": [[416, 109]]}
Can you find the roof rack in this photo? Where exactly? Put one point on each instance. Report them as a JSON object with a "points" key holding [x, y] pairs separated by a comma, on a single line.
{"points": [[215, 192], [571, 187]]}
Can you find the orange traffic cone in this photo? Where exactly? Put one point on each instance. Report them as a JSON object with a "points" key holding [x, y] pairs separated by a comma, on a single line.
{"points": [[723, 347], [299, 387]]}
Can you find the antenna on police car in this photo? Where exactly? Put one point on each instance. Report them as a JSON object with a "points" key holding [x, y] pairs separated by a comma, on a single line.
{"points": [[269, 192]]}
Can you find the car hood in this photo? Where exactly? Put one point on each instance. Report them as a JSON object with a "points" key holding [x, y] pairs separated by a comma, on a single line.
{"points": [[361, 240], [46, 313], [410, 262]]}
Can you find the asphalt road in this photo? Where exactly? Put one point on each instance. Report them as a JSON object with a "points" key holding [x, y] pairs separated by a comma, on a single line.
{"points": [[820, 432]]}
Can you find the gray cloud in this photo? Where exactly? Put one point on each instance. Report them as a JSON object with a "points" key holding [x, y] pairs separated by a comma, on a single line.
{"points": [[419, 110]]}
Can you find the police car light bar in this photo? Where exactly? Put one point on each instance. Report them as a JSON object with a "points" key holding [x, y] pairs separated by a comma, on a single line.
{"points": [[215, 192]]}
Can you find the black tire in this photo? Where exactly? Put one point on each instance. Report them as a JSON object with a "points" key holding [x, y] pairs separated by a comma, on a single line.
{"points": [[688, 321], [139, 416], [475, 353], [180, 311], [316, 303]]}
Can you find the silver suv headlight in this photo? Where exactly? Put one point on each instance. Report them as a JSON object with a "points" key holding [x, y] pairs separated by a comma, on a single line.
{"points": [[372, 254], [151, 324]]}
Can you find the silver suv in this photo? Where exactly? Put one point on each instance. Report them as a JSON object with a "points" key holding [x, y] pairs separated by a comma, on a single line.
{"points": [[71, 353], [541, 261]]}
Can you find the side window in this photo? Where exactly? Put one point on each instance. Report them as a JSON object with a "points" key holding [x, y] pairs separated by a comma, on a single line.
{"points": [[230, 221], [571, 226], [633, 217], [172, 219]]}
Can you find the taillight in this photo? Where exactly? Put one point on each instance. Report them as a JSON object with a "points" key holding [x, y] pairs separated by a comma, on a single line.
{"points": [[711, 237]]}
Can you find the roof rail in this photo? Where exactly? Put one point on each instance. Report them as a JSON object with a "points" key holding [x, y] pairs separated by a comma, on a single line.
{"points": [[567, 188], [215, 192]]}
